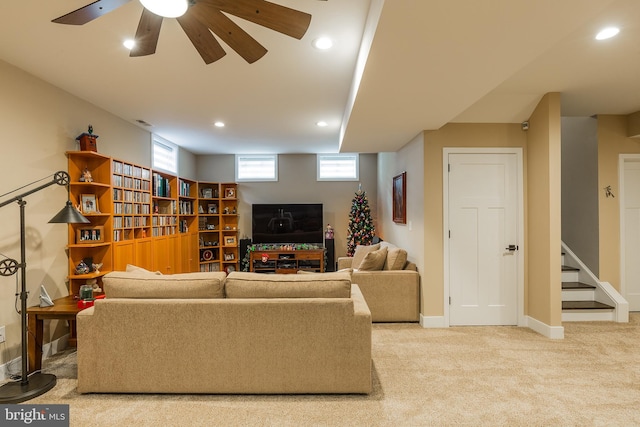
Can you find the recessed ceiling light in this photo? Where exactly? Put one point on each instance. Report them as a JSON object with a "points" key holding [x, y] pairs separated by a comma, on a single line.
{"points": [[322, 124], [607, 33], [129, 43], [219, 124], [322, 43]]}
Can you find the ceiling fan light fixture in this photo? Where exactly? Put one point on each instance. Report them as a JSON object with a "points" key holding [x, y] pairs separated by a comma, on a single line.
{"points": [[219, 124], [129, 43], [323, 43], [166, 8]]}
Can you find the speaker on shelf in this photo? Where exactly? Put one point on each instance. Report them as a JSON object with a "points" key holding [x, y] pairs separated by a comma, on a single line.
{"points": [[331, 254], [244, 244]]}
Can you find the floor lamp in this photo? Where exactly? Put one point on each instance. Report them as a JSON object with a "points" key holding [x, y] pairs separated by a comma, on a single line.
{"points": [[34, 385]]}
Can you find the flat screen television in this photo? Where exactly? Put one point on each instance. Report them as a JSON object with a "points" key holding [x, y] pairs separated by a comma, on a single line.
{"points": [[287, 223]]}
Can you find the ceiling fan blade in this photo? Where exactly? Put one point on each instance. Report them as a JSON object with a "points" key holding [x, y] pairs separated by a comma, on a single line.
{"points": [[279, 18], [147, 34], [238, 39], [89, 12], [202, 39]]}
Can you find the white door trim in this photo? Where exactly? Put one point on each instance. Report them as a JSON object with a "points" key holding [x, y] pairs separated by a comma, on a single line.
{"points": [[522, 321], [621, 162]]}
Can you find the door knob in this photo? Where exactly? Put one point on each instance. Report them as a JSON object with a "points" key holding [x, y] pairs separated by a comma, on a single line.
{"points": [[512, 248]]}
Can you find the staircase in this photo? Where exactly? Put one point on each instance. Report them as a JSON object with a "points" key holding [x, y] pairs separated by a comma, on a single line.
{"points": [[584, 298]]}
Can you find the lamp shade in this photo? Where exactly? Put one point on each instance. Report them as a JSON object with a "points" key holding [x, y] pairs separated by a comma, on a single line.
{"points": [[166, 8], [69, 215]]}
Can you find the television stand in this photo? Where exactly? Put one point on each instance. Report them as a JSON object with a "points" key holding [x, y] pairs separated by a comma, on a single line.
{"points": [[287, 261]]}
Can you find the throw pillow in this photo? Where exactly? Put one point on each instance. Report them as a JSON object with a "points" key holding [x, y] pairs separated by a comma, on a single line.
{"points": [[362, 251], [374, 261], [139, 270], [396, 259]]}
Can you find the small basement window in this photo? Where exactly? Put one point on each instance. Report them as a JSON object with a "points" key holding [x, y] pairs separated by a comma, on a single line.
{"points": [[338, 167], [257, 167], [165, 155]]}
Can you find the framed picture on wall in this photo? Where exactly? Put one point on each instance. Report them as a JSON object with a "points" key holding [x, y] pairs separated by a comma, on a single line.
{"points": [[399, 198]]}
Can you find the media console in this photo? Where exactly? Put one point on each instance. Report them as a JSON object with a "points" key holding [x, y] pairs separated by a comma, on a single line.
{"points": [[287, 261]]}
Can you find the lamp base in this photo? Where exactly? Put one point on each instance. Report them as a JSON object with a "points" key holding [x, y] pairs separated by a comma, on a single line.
{"points": [[16, 392]]}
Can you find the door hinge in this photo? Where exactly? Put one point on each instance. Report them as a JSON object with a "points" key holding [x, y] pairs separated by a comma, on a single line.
{"points": [[449, 233], [449, 300], [449, 167]]}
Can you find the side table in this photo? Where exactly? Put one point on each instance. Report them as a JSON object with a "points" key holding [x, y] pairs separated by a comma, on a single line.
{"points": [[64, 308]]}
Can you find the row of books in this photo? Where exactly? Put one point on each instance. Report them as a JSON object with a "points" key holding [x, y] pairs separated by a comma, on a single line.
{"points": [[130, 196], [131, 170], [163, 231], [130, 209], [161, 186], [129, 221], [184, 189]]}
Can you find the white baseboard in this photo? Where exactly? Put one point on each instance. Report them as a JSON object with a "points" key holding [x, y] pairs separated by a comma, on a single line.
{"points": [[48, 350], [553, 332], [433, 322]]}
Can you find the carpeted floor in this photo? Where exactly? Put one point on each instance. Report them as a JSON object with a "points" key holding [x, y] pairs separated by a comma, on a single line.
{"points": [[476, 376]]}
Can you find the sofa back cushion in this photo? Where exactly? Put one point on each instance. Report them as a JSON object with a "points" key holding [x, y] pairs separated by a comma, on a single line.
{"points": [[120, 284], [314, 285], [139, 270]]}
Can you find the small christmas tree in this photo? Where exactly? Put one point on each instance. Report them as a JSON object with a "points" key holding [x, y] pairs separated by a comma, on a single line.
{"points": [[361, 229]]}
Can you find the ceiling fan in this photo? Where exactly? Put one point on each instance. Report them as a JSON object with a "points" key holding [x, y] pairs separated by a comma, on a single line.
{"points": [[197, 18]]}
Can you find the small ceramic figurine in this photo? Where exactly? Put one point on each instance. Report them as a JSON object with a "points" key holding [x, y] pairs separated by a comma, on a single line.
{"points": [[329, 233], [82, 268], [86, 176]]}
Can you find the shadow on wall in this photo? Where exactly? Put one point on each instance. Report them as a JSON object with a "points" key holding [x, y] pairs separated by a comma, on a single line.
{"points": [[11, 242]]}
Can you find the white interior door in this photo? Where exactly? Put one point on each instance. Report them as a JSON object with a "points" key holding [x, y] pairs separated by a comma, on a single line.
{"points": [[482, 214], [631, 232]]}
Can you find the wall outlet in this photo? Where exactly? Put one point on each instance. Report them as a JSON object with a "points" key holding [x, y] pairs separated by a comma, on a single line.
{"points": [[2, 334]]}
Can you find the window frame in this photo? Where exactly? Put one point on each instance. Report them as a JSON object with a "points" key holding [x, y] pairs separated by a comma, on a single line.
{"points": [[157, 141], [355, 157], [243, 157]]}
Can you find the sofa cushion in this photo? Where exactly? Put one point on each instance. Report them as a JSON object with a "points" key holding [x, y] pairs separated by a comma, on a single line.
{"points": [[313, 285], [396, 259], [120, 284], [362, 251], [130, 268], [374, 260], [343, 270]]}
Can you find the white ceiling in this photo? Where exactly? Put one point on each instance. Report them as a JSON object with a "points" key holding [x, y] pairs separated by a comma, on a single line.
{"points": [[429, 62]]}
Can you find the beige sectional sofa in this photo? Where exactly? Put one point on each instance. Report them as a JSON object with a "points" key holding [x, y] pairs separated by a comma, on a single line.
{"points": [[390, 284], [208, 333]]}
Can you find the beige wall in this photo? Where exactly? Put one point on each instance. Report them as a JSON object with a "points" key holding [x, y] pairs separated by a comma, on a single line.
{"points": [[544, 269], [633, 125], [408, 159], [38, 123], [612, 141], [297, 184], [451, 135], [580, 188]]}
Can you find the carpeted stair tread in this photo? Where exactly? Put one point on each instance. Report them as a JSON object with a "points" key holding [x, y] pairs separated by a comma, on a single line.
{"points": [[568, 268], [585, 305], [576, 286]]}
